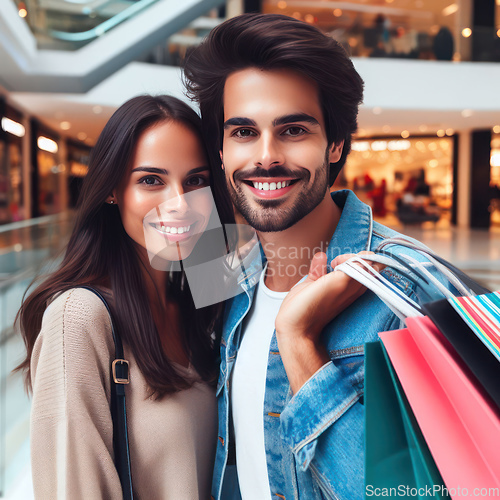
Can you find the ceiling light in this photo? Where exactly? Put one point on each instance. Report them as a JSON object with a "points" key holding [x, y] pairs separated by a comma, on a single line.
{"points": [[65, 125], [496, 129], [337, 12], [440, 133], [405, 134], [13, 127], [309, 18], [282, 5], [466, 32], [396, 145], [451, 9], [433, 163], [47, 144], [360, 146], [495, 160], [449, 131], [22, 12]]}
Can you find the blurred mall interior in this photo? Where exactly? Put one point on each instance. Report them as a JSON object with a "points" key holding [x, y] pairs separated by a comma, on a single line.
{"points": [[426, 156]]}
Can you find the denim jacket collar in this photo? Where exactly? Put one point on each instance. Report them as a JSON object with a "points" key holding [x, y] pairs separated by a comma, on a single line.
{"points": [[353, 233]]}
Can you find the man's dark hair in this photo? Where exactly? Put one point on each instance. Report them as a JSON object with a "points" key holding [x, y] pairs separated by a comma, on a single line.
{"points": [[272, 41]]}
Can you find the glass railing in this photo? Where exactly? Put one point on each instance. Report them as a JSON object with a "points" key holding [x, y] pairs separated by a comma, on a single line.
{"points": [[365, 30], [71, 24], [26, 249], [483, 44]]}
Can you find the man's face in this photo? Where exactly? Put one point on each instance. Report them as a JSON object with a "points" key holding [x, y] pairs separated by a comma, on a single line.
{"points": [[275, 150]]}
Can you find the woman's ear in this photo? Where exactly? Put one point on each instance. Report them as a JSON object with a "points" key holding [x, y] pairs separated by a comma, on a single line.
{"points": [[111, 199], [335, 152]]}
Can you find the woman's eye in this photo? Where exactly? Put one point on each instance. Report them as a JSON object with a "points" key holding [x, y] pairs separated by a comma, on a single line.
{"points": [[243, 133], [294, 131], [150, 180], [197, 180]]}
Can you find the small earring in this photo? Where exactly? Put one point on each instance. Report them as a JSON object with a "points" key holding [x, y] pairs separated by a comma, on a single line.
{"points": [[222, 166], [111, 202]]}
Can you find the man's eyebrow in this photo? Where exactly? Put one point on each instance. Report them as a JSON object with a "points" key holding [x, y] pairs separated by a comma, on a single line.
{"points": [[238, 121], [294, 118], [162, 171]]}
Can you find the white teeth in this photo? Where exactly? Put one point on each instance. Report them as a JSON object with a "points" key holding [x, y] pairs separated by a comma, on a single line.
{"points": [[266, 186], [173, 230]]}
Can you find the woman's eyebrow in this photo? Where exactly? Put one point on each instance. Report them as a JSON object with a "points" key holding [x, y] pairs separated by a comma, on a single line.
{"points": [[162, 171], [151, 170]]}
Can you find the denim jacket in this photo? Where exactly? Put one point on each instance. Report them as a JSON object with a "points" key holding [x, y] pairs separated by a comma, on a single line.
{"points": [[314, 439]]}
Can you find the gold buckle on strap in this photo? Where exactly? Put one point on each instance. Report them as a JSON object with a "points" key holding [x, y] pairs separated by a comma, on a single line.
{"points": [[117, 380]]}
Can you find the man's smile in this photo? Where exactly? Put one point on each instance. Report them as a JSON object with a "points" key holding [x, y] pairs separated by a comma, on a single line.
{"points": [[270, 187]]}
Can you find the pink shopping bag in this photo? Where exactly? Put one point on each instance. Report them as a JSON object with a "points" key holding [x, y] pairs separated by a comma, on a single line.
{"points": [[458, 420]]}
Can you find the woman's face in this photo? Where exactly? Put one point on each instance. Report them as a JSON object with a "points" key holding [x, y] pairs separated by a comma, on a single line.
{"points": [[165, 200]]}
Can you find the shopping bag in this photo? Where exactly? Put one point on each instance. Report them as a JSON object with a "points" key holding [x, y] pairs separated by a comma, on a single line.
{"points": [[480, 360], [396, 455], [457, 419]]}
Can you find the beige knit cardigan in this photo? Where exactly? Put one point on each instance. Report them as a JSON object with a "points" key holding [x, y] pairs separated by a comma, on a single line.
{"points": [[172, 441]]}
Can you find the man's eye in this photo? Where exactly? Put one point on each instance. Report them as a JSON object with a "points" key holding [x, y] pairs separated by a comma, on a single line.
{"points": [[294, 131], [150, 180], [243, 133], [197, 180]]}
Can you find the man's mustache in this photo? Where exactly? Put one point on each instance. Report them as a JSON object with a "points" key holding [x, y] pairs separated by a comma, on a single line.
{"points": [[274, 171]]}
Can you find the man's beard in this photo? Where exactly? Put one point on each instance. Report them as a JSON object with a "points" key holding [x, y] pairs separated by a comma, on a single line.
{"points": [[270, 216]]}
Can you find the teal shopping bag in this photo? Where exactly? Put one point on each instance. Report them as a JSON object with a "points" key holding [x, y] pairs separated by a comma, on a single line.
{"points": [[397, 458]]}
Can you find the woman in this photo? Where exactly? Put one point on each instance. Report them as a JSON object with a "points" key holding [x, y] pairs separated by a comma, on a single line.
{"points": [[144, 204]]}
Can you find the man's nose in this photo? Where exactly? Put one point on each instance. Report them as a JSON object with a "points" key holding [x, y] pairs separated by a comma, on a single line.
{"points": [[269, 151]]}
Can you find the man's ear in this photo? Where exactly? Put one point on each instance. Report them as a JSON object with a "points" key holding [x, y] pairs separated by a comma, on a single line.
{"points": [[335, 152]]}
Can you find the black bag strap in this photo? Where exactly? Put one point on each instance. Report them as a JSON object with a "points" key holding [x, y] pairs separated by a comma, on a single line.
{"points": [[119, 378]]}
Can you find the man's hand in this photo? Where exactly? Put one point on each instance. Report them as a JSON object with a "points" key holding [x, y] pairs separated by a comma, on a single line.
{"points": [[307, 309]]}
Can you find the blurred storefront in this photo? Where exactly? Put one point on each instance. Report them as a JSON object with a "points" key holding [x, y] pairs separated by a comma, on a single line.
{"points": [[12, 132], [410, 179], [47, 187], [423, 29], [78, 160]]}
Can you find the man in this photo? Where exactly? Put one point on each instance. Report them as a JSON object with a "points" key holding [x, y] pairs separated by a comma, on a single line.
{"points": [[279, 101]]}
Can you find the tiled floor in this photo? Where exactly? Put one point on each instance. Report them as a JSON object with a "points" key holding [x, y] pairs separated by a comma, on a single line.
{"points": [[474, 251]]}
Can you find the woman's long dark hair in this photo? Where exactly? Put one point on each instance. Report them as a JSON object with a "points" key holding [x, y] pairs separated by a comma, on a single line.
{"points": [[100, 252]]}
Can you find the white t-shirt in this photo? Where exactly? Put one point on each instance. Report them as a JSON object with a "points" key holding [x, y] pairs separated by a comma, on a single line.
{"points": [[247, 393]]}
